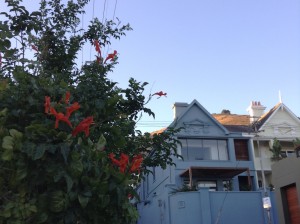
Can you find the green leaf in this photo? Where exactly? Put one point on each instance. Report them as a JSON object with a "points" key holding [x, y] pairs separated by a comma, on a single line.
{"points": [[6, 213], [8, 143], [104, 199], [90, 143], [32, 208], [101, 143], [57, 201], [41, 217], [65, 150], [79, 141], [15, 134], [69, 182], [7, 155], [39, 152], [4, 111], [83, 200], [5, 44], [29, 148], [21, 173], [76, 167]]}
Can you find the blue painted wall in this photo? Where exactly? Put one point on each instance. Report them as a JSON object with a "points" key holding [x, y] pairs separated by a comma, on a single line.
{"points": [[159, 205], [205, 207]]}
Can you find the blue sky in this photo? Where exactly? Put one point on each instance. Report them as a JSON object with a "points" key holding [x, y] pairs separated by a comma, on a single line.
{"points": [[223, 53]]}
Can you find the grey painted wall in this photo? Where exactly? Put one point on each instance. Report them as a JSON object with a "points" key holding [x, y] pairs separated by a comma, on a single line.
{"points": [[284, 173], [205, 207]]}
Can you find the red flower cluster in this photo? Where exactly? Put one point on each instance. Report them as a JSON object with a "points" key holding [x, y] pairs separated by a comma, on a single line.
{"points": [[111, 56], [160, 94], [123, 162], [83, 125], [99, 56], [34, 48]]}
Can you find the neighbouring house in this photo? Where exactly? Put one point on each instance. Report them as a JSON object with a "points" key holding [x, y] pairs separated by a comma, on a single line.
{"points": [[214, 182], [286, 179], [278, 123]]}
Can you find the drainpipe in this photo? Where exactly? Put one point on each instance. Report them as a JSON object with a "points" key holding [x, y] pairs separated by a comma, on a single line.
{"points": [[263, 178], [262, 168]]}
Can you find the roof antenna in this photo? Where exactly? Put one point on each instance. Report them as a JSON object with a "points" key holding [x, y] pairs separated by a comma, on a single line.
{"points": [[280, 99]]}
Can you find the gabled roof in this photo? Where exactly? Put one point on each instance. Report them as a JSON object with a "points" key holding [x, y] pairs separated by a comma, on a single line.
{"points": [[267, 116], [235, 122], [197, 104]]}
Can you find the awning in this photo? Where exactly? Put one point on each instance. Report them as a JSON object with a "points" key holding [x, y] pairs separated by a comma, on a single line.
{"points": [[213, 172]]}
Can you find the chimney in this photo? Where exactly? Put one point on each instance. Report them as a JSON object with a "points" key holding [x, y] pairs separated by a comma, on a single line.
{"points": [[255, 110], [178, 109]]}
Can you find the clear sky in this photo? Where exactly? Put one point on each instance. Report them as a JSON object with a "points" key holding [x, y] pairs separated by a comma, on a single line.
{"points": [[223, 53]]}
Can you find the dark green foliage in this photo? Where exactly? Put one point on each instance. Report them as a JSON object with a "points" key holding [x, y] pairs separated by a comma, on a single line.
{"points": [[184, 188], [48, 175], [276, 150]]}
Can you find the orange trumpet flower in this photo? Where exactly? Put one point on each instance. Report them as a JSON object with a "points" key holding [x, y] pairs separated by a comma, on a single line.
{"points": [[84, 126], [60, 117]]}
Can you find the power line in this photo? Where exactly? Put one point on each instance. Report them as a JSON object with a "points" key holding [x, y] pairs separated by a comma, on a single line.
{"points": [[115, 9], [82, 22], [93, 14], [104, 8]]}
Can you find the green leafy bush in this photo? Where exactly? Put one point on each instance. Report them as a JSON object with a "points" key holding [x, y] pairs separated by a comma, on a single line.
{"points": [[69, 150]]}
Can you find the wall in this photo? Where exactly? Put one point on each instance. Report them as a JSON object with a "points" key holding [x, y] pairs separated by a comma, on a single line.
{"points": [[285, 172], [205, 207]]}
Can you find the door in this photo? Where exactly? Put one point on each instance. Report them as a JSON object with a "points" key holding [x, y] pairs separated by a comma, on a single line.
{"points": [[293, 204]]}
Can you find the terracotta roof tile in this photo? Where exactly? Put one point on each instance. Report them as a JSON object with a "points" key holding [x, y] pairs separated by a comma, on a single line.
{"points": [[265, 116], [158, 131], [232, 119]]}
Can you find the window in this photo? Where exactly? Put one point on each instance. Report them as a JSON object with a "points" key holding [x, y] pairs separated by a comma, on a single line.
{"points": [[288, 153], [241, 149], [153, 174], [212, 185], [244, 184], [260, 184], [204, 149]]}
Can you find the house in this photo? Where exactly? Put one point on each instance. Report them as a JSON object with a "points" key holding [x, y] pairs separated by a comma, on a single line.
{"points": [[278, 123], [214, 179], [286, 179]]}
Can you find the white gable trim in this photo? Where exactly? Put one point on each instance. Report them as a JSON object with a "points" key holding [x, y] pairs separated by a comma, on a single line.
{"points": [[281, 107]]}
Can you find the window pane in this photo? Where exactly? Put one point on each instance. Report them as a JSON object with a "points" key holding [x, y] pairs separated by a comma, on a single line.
{"points": [[223, 153], [196, 151], [184, 149], [212, 147], [212, 185], [204, 149]]}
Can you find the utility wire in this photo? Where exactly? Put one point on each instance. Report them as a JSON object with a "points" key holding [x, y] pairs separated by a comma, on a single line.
{"points": [[224, 199], [93, 14], [82, 22], [104, 8], [115, 9]]}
